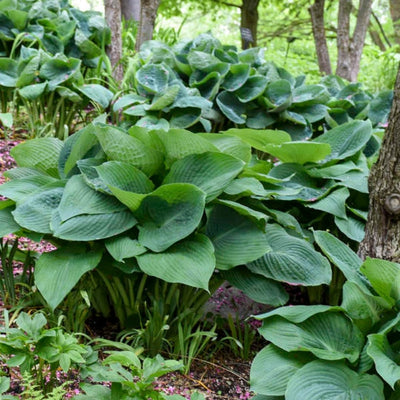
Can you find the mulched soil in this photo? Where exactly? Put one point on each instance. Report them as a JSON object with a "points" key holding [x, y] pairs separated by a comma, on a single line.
{"points": [[223, 377]]}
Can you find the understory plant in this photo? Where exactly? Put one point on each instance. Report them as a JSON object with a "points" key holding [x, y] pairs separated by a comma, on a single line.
{"points": [[324, 351]]}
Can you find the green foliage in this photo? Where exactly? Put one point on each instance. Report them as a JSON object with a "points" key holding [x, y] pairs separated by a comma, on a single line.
{"points": [[206, 86], [319, 350]]}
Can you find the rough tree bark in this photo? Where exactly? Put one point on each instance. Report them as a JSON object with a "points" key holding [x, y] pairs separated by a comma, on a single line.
{"points": [[130, 9], [350, 48], [318, 28], [148, 14], [249, 19], [395, 14], [112, 11], [382, 234]]}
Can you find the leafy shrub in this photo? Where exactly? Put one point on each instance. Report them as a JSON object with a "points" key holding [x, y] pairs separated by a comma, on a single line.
{"points": [[54, 26], [206, 86], [316, 351]]}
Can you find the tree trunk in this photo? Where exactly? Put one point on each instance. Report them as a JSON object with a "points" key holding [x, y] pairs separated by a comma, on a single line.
{"points": [[130, 9], [148, 14], [350, 48], [382, 234], [318, 28], [112, 11], [249, 20], [395, 14], [376, 38]]}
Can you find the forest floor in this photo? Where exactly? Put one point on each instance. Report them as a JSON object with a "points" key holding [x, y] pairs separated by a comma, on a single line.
{"points": [[224, 376]]}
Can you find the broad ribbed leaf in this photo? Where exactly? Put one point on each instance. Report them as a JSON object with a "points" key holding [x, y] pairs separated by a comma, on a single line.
{"points": [[260, 139], [328, 335], [179, 143], [57, 70], [257, 287], [307, 95], [97, 93], [41, 154], [184, 117], [32, 92], [253, 88], [385, 358], [36, 213], [56, 273], [236, 77], [119, 146], [353, 228], [166, 99], [124, 247], [231, 107], [92, 227], [343, 257], [151, 122], [346, 139], [323, 380], [237, 239], [153, 77], [278, 95], [8, 72], [245, 187], [7, 222], [78, 198], [209, 85], [169, 214], [190, 262], [334, 203], [299, 152], [292, 260], [211, 172], [272, 369]]}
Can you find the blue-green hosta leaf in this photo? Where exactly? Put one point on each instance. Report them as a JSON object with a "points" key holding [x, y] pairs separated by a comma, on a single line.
{"points": [[228, 144], [32, 92], [278, 95], [385, 358], [66, 266], [257, 287], [380, 106], [211, 172], [169, 214], [92, 227], [253, 88], [236, 77], [332, 171], [307, 95], [8, 72], [41, 154], [259, 119], [6, 119], [151, 122], [208, 86], [343, 257], [128, 100], [97, 93], [245, 187], [328, 335], [236, 238], [334, 203], [180, 143], [384, 277], [21, 189], [190, 262], [192, 101], [346, 139], [36, 212], [312, 113], [290, 259], [124, 247], [78, 199], [231, 107], [184, 117], [272, 368], [7, 222], [259, 139], [153, 77], [90, 175], [68, 94], [58, 70], [325, 380], [299, 152], [165, 99], [119, 146], [353, 228]]}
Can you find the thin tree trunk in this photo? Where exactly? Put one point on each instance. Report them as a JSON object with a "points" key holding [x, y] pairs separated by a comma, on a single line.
{"points": [[130, 9], [112, 11], [395, 14], [249, 19], [376, 38], [148, 14], [382, 234], [343, 39], [318, 28]]}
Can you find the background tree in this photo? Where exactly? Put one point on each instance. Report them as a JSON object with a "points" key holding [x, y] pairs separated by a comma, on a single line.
{"points": [[148, 14], [395, 14]]}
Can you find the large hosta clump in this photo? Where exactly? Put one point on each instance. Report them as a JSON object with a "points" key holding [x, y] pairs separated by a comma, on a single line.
{"points": [[205, 85], [54, 26], [178, 205]]}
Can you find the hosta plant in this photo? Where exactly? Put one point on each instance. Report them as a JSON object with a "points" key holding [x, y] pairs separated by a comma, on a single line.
{"points": [[205, 85], [323, 351]]}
